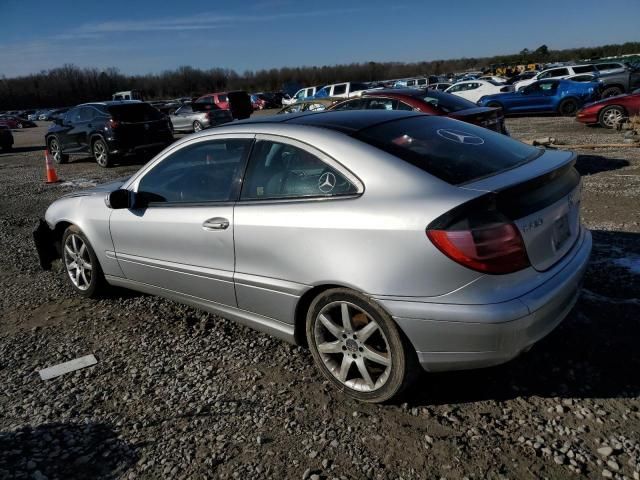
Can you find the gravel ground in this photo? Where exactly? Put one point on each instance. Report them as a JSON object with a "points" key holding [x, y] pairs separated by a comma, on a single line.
{"points": [[178, 393]]}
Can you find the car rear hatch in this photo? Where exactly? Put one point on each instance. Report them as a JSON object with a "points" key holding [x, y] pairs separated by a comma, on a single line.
{"points": [[138, 124], [491, 118], [542, 198]]}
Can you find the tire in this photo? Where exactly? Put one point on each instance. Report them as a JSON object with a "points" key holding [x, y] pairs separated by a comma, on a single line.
{"points": [[53, 145], [344, 351], [611, 92], [610, 116], [101, 154], [88, 280], [197, 126], [568, 107], [19, 125]]}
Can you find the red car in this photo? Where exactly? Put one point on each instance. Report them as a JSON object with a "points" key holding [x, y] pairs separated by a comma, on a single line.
{"points": [[220, 99], [15, 122], [610, 111], [431, 102]]}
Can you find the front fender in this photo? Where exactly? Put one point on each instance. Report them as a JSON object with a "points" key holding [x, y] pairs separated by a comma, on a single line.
{"points": [[91, 215]]}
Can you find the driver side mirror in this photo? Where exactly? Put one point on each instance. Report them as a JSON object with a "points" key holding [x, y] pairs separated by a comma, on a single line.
{"points": [[119, 199]]}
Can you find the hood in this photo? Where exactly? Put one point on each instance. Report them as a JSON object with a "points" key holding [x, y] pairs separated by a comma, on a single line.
{"points": [[98, 189]]}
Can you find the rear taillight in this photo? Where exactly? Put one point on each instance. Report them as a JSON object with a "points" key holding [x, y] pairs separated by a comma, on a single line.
{"points": [[488, 243]]}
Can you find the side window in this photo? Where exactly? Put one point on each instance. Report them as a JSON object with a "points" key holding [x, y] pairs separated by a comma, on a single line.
{"points": [[205, 172], [86, 114], [411, 83], [278, 170], [310, 92], [472, 86], [72, 116], [340, 89], [403, 106], [584, 69], [456, 88], [422, 81]]}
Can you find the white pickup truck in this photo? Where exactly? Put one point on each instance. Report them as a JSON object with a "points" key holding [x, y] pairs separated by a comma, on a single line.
{"points": [[342, 90]]}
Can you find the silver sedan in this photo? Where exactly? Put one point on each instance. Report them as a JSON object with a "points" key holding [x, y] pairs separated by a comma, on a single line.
{"points": [[386, 241], [185, 119]]}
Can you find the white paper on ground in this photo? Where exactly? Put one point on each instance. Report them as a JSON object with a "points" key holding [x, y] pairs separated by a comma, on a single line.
{"points": [[66, 367]]}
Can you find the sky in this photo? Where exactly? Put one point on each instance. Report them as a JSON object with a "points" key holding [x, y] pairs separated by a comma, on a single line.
{"points": [[150, 36]]}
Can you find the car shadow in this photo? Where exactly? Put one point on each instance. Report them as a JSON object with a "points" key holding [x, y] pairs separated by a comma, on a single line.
{"points": [[65, 450], [591, 164], [592, 354]]}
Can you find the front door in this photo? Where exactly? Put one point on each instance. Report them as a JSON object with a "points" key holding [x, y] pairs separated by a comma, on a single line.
{"points": [[179, 237]]}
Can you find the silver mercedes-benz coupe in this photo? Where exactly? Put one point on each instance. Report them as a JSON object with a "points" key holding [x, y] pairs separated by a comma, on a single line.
{"points": [[383, 240]]}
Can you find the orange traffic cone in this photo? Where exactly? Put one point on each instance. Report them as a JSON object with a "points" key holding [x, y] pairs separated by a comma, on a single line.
{"points": [[52, 176]]}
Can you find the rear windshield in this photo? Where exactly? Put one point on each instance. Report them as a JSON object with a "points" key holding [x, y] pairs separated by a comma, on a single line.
{"points": [[450, 150], [134, 112], [447, 102]]}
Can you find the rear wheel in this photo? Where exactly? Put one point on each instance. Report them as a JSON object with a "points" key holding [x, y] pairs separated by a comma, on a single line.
{"points": [[81, 264], [568, 107], [56, 151], [611, 92], [357, 346], [101, 153], [611, 116], [197, 126]]}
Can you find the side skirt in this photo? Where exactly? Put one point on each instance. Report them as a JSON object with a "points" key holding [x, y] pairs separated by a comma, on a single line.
{"points": [[263, 324]]}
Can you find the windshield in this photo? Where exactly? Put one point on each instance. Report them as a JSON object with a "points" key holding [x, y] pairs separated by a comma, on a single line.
{"points": [[454, 152]]}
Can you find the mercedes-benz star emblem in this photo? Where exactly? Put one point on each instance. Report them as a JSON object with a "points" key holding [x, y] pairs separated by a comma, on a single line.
{"points": [[459, 136], [326, 182]]}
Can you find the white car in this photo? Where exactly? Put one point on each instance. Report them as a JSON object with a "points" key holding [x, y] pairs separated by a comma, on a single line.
{"points": [[557, 72], [342, 90], [473, 90], [494, 78], [300, 95]]}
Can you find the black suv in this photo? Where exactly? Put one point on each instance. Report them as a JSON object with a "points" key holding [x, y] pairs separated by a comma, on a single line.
{"points": [[108, 130]]}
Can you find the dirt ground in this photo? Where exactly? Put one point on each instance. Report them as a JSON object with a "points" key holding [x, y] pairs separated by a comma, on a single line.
{"points": [[178, 393]]}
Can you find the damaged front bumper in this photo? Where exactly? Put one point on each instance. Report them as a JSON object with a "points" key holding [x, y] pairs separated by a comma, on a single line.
{"points": [[44, 240]]}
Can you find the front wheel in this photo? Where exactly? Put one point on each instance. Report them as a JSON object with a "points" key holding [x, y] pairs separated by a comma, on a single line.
{"points": [[611, 116], [356, 345], [568, 107], [611, 92], [81, 264], [56, 151], [197, 126], [101, 153]]}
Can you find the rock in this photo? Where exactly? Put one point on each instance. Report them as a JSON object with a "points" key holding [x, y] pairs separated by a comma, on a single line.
{"points": [[607, 474], [605, 451], [306, 474]]}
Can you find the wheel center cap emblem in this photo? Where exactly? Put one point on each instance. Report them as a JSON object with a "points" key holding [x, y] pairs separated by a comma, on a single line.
{"points": [[351, 345]]}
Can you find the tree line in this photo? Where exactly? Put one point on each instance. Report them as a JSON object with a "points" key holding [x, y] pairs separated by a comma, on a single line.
{"points": [[71, 85]]}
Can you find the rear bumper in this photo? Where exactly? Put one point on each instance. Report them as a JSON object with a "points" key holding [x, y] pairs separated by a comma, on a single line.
{"points": [[459, 337]]}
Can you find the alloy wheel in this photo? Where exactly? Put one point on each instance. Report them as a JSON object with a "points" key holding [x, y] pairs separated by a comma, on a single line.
{"points": [[612, 117], [197, 126], [352, 346], [78, 262], [100, 153], [54, 149]]}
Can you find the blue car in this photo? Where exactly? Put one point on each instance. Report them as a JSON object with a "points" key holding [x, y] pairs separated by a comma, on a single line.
{"points": [[545, 96]]}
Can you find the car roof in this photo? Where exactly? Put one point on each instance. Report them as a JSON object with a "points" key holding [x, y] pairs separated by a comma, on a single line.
{"points": [[110, 103], [347, 121]]}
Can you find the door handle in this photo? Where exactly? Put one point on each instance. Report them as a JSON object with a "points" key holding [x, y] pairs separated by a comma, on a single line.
{"points": [[216, 223]]}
